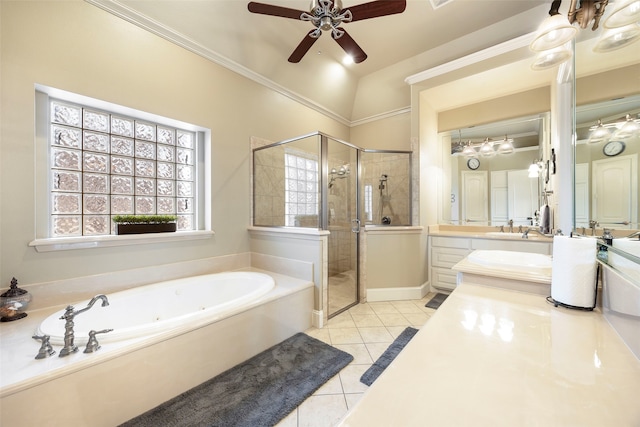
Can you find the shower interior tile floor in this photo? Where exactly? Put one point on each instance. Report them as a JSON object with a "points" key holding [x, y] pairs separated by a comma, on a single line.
{"points": [[365, 331]]}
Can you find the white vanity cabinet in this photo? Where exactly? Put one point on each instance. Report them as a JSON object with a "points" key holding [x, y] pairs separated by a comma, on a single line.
{"points": [[447, 251]]}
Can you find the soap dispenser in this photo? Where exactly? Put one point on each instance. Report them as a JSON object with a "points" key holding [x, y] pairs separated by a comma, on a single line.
{"points": [[13, 303]]}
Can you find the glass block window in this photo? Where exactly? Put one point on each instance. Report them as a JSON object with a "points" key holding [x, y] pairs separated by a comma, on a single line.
{"points": [[368, 202], [104, 164], [301, 186]]}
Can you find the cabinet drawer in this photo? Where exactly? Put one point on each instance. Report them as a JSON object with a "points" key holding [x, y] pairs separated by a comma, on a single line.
{"points": [[443, 278], [516, 245], [447, 257], [449, 242]]}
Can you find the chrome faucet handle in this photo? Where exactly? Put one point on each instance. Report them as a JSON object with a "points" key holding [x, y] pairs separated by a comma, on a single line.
{"points": [[45, 348], [520, 229], [502, 228], [92, 344]]}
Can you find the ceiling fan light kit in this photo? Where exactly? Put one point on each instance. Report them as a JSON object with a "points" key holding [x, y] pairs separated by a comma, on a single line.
{"points": [[329, 15]]}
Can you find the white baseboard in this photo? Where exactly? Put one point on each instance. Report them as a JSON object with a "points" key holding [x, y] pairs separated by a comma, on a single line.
{"points": [[317, 318], [397, 294]]}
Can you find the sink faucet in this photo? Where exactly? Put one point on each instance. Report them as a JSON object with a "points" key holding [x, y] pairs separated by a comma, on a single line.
{"points": [[634, 234], [525, 235], [68, 316], [592, 225], [510, 226]]}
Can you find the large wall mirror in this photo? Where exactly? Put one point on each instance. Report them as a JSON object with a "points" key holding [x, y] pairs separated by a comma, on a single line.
{"points": [[606, 174], [497, 189]]}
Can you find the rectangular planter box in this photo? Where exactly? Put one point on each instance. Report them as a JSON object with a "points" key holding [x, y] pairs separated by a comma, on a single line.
{"points": [[145, 228]]}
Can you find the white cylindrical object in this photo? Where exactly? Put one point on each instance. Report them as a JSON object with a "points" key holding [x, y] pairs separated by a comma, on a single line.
{"points": [[573, 271]]}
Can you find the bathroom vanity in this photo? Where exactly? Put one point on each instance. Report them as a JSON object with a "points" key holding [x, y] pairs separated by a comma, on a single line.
{"points": [[448, 245], [495, 357]]}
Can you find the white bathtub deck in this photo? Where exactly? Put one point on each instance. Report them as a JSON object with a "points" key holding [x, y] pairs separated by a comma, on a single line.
{"points": [[19, 370]]}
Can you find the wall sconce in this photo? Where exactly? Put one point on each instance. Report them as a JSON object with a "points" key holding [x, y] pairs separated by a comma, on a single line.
{"points": [[535, 168]]}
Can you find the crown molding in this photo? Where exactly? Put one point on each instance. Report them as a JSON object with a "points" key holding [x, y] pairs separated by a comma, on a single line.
{"points": [[120, 10], [474, 58], [381, 116]]}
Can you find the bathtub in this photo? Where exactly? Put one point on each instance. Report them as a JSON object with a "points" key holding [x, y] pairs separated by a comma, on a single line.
{"points": [[521, 271], [149, 309], [160, 349]]}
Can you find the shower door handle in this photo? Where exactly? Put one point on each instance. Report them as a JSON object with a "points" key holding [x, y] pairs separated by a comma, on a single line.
{"points": [[355, 225]]}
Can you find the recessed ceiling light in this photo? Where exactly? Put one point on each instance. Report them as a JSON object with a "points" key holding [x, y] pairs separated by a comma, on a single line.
{"points": [[347, 60]]}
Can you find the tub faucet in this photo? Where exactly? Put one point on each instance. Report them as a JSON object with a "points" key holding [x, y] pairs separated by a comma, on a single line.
{"points": [[68, 316], [510, 226]]}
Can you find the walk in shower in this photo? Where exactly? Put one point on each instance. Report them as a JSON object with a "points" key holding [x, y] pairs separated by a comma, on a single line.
{"points": [[314, 181]]}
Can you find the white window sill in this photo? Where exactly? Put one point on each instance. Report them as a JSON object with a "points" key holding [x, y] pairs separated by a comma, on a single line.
{"points": [[88, 242]]}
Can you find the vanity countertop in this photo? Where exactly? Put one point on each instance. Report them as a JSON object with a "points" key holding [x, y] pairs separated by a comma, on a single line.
{"points": [[495, 357], [483, 232]]}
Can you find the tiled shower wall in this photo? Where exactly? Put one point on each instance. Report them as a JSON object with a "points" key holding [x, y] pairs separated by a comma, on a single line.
{"points": [[396, 200]]}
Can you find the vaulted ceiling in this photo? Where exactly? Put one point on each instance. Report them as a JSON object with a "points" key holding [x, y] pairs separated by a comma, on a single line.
{"points": [[397, 46]]}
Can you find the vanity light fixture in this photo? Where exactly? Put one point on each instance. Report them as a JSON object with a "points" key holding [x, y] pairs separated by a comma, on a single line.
{"points": [[630, 128], [555, 31], [603, 132], [616, 38], [625, 12], [506, 146], [469, 151], [551, 58], [550, 43], [486, 149], [599, 133]]}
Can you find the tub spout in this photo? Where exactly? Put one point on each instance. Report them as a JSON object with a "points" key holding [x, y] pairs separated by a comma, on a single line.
{"points": [[69, 315]]}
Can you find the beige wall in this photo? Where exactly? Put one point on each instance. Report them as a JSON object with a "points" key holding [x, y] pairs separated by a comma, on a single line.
{"points": [[389, 133], [79, 48]]}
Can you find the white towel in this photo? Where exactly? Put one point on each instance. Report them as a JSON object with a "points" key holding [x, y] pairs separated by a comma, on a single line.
{"points": [[573, 271]]}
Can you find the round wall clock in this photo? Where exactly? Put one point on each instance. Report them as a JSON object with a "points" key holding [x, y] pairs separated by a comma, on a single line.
{"points": [[473, 163], [613, 148]]}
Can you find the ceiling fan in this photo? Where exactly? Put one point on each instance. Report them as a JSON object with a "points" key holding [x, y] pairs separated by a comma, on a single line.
{"points": [[328, 15]]}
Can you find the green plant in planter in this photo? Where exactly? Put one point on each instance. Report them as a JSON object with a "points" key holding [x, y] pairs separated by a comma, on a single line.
{"points": [[138, 224], [144, 219]]}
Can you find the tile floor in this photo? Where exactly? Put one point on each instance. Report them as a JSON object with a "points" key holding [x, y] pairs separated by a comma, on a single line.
{"points": [[365, 331]]}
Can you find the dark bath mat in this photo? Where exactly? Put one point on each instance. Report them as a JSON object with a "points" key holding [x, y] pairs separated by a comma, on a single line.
{"points": [[387, 357], [259, 392], [436, 301]]}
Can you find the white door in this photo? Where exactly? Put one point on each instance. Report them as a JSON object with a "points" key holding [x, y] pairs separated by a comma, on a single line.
{"points": [[499, 198], [523, 196], [615, 191], [582, 195], [475, 206]]}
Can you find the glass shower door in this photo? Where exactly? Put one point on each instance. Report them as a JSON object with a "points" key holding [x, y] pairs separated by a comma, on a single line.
{"points": [[343, 223]]}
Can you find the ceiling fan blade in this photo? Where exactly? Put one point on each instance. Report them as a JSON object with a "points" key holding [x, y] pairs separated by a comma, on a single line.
{"points": [[350, 46], [303, 47], [268, 9], [375, 9]]}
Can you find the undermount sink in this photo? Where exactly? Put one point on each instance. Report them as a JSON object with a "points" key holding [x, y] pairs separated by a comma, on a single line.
{"points": [[504, 234]]}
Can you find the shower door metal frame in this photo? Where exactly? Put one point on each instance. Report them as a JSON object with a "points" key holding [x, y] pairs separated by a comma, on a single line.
{"points": [[324, 208]]}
